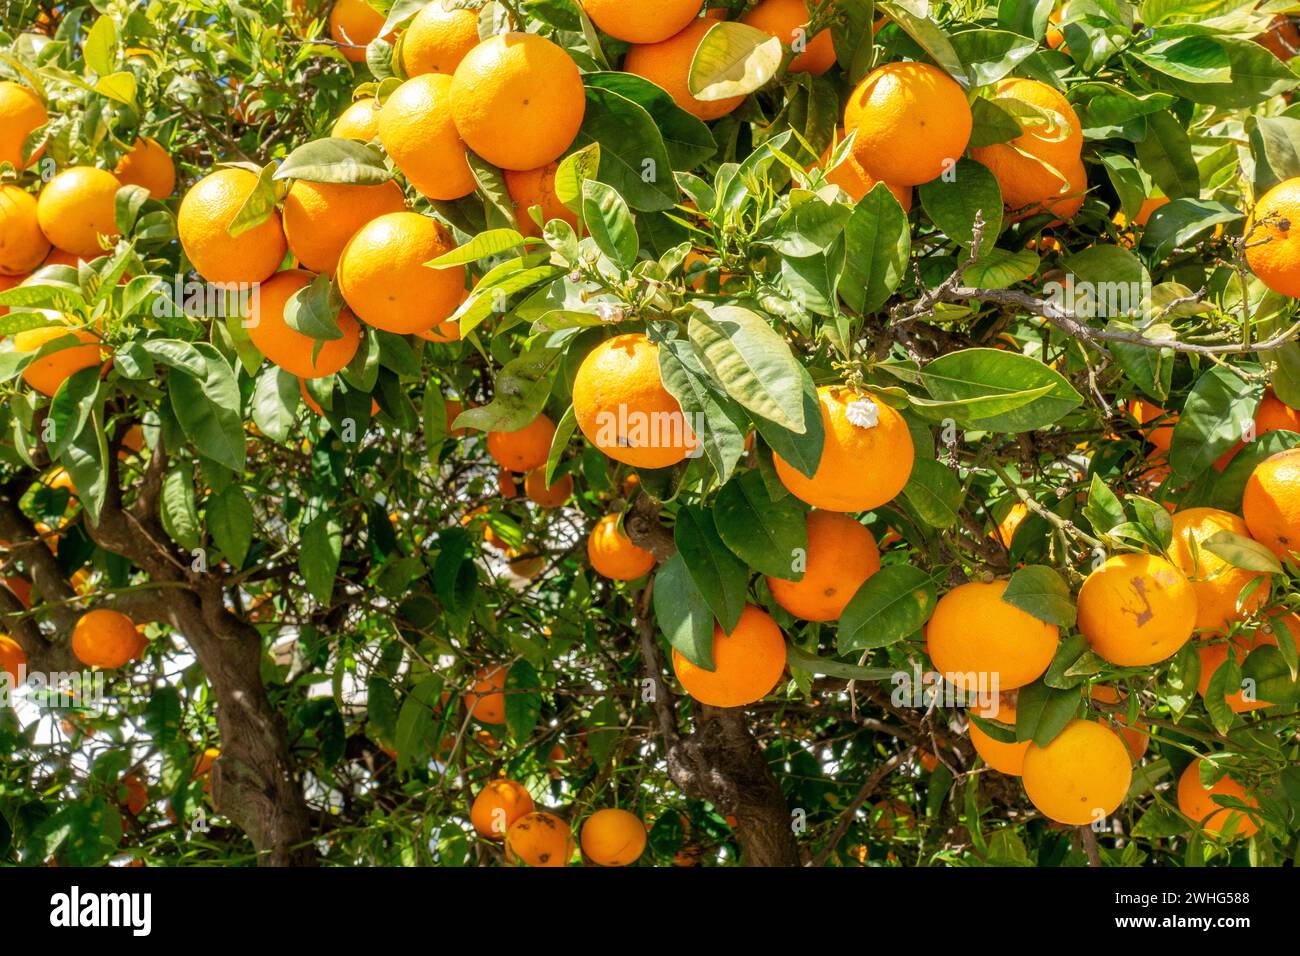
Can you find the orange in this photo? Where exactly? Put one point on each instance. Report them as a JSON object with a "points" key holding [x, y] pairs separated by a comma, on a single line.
{"points": [[787, 21], [443, 333], [358, 121], [641, 21], [1081, 776], [203, 224], [1216, 583], [383, 277], [150, 166], [1145, 211], [1135, 735], [517, 100], [524, 564], [23, 247], [1026, 182], [438, 39], [1068, 203], [622, 406], [288, 348], [974, 637], [506, 483], [841, 555], [416, 128], [21, 114], [1271, 503], [1273, 238], [613, 554], [613, 837], [1282, 39], [485, 701], [20, 587], [12, 658], [354, 24], [50, 371], [137, 794], [320, 218], [315, 406], [1160, 435], [1055, 37], [748, 663], [1011, 522], [1196, 801], [544, 495], [667, 64], [499, 804], [524, 449], [539, 839], [863, 465], [58, 257], [1055, 140], [536, 187], [105, 638], [889, 817], [1273, 415], [913, 122], [857, 182], [1137, 609], [454, 410], [1002, 757], [1215, 655], [78, 206], [203, 767]]}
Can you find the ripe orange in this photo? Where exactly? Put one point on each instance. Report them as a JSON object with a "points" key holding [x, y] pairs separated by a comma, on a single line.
{"points": [[1145, 211], [1010, 523], [320, 218], [1216, 583], [613, 837], [1214, 655], [786, 20], [1009, 645], [862, 465], [1081, 776], [536, 187], [21, 588], [23, 247], [1055, 38], [641, 21], [1056, 139], [358, 121], [354, 24], [12, 658], [1137, 609], [1272, 415], [1196, 801], [443, 333], [203, 767], [454, 410], [1068, 203], [1273, 238], [622, 406], [416, 128], [104, 638], [667, 64], [1271, 502], [1282, 39], [841, 555], [137, 794], [612, 553], [21, 114], [1135, 734], [485, 701], [438, 39], [506, 483], [539, 839], [383, 277], [499, 804], [78, 206], [748, 663], [517, 100], [524, 563], [50, 371], [203, 223], [1002, 757], [544, 495], [850, 176], [524, 449], [150, 166], [288, 348], [913, 121]]}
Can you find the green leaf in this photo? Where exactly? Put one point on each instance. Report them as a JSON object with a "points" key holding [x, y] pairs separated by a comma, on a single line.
{"points": [[916, 22], [70, 409], [319, 552], [575, 169], [688, 139], [1103, 510], [520, 394], [610, 223], [934, 491], [974, 373], [718, 423], [633, 157], [879, 244], [1177, 223], [1042, 712], [721, 578], [1275, 146], [1242, 552], [1216, 70], [682, 613], [522, 709], [802, 660], [208, 408], [179, 513], [989, 55], [100, 46], [770, 535], [892, 604], [1001, 268], [1214, 415], [230, 522], [493, 242], [335, 161], [801, 450], [953, 202], [1166, 155], [258, 206], [276, 397], [1042, 592], [733, 59], [752, 362], [314, 309], [86, 461]]}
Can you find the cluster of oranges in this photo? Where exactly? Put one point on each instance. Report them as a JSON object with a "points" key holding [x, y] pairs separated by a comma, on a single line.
{"points": [[504, 811]]}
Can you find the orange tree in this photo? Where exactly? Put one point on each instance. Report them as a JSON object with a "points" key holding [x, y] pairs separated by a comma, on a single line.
{"points": [[529, 431]]}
